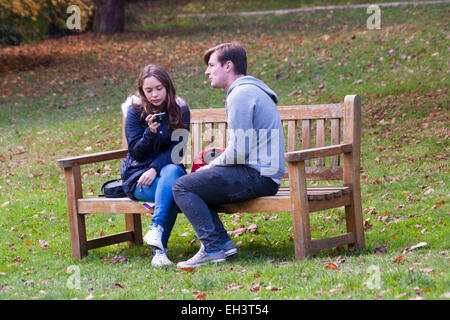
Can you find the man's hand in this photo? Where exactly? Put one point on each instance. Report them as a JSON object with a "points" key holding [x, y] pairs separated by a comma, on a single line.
{"points": [[147, 178]]}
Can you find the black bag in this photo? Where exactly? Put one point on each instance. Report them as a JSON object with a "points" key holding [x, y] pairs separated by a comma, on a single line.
{"points": [[113, 189]]}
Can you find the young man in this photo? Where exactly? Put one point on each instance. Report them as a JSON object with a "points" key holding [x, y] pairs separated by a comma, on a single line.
{"points": [[252, 164]]}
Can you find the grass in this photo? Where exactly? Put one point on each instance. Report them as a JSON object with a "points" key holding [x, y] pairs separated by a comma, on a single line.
{"points": [[62, 97]]}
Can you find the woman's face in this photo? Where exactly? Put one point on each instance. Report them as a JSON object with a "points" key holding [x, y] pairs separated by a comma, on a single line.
{"points": [[154, 91]]}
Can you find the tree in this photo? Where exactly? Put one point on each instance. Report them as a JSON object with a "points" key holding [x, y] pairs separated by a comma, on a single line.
{"points": [[109, 16], [33, 20]]}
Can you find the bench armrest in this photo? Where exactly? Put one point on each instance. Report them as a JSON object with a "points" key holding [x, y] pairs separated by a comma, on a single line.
{"points": [[307, 154], [91, 158]]}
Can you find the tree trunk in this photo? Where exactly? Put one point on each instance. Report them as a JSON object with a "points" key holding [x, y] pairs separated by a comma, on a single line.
{"points": [[109, 16]]}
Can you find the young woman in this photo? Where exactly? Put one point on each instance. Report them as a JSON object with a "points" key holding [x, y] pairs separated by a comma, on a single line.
{"points": [[149, 171]]}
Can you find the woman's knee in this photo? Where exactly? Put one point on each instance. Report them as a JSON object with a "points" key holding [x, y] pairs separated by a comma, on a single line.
{"points": [[172, 170]]}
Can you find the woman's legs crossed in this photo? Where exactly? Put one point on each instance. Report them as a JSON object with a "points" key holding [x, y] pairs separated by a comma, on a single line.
{"points": [[160, 192]]}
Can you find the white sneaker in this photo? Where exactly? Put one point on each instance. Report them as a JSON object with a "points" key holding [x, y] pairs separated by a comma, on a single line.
{"points": [[160, 259], [153, 237]]}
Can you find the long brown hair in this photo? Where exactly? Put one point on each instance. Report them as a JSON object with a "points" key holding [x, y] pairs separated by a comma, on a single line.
{"points": [[170, 105]]}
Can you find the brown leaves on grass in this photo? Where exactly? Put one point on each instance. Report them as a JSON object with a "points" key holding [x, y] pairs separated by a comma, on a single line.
{"points": [[380, 249], [237, 232], [255, 287], [119, 258], [43, 244], [233, 286], [199, 295]]}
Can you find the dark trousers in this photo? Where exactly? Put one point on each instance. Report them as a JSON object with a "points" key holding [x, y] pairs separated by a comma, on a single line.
{"points": [[197, 195]]}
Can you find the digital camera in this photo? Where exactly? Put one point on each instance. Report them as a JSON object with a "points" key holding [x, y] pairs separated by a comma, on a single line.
{"points": [[159, 117]]}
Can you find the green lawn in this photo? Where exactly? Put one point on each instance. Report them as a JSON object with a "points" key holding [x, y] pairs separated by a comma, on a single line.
{"points": [[62, 97]]}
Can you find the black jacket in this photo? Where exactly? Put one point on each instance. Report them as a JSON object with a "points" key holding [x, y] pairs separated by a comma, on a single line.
{"points": [[148, 150]]}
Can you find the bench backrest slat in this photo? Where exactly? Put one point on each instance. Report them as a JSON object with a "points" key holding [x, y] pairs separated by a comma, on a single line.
{"points": [[308, 126]]}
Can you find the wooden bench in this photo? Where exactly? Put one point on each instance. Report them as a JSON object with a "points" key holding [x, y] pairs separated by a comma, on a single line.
{"points": [[340, 144]]}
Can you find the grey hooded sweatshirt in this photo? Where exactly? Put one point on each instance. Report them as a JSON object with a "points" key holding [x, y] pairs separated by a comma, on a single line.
{"points": [[255, 132]]}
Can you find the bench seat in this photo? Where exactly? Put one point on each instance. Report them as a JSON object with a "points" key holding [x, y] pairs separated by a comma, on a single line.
{"points": [[317, 200]]}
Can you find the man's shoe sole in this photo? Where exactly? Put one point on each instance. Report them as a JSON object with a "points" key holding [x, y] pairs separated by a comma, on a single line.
{"points": [[230, 252]]}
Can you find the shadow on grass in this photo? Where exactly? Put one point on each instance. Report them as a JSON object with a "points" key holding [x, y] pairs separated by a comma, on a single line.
{"points": [[252, 255]]}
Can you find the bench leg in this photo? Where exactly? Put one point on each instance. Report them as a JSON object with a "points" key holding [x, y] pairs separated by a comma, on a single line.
{"points": [[354, 222], [300, 211], [77, 224], [133, 223], [302, 235], [351, 167], [78, 238]]}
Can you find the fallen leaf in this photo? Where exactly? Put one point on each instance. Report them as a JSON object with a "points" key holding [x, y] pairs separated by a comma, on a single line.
{"points": [[381, 249], [332, 266], [269, 217], [119, 258], [367, 225], [237, 232], [427, 270], [398, 259], [199, 295], [437, 205], [233, 286], [419, 245], [252, 228], [43, 244], [117, 285], [28, 282], [273, 289], [46, 281], [255, 288]]}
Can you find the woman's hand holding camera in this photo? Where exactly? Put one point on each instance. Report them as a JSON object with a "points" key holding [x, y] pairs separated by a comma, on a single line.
{"points": [[147, 178], [153, 126]]}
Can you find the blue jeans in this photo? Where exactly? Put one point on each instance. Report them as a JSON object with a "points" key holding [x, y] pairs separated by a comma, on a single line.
{"points": [[197, 194], [160, 192]]}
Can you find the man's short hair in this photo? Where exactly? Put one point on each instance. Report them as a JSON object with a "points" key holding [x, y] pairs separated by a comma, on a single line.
{"points": [[233, 52]]}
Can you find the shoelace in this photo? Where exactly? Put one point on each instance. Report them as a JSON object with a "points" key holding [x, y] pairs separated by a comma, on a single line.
{"points": [[197, 255]]}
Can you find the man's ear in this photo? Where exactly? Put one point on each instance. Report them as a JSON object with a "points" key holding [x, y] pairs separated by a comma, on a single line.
{"points": [[229, 66]]}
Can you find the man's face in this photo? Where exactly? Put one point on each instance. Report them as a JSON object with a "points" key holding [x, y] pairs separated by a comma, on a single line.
{"points": [[217, 73]]}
